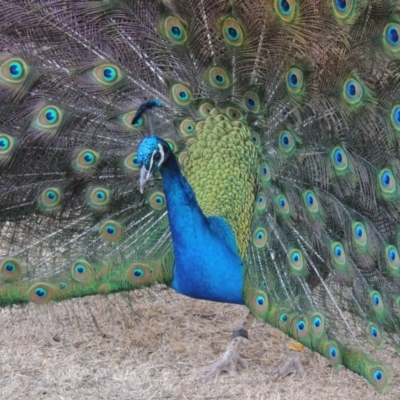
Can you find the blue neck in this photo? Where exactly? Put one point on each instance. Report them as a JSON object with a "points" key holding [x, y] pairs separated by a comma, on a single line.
{"points": [[207, 264]]}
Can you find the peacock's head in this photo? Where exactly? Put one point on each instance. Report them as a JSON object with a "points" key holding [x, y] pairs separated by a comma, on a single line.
{"points": [[151, 155]]}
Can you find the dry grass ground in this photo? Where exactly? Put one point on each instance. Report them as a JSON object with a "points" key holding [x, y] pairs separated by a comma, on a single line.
{"points": [[154, 352]]}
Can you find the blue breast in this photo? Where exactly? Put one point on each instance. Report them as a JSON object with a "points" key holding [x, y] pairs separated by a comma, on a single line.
{"points": [[207, 264]]}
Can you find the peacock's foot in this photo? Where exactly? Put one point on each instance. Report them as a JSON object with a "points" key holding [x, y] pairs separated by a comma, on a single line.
{"points": [[228, 362], [291, 365]]}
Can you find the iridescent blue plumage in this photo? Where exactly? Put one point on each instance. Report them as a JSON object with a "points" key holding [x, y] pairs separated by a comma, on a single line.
{"points": [[207, 263]]}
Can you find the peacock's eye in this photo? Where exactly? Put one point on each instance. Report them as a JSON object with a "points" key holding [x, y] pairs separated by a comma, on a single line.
{"points": [[157, 157]]}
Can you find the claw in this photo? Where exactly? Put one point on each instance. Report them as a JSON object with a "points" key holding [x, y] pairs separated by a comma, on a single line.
{"points": [[229, 362], [291, 365]]}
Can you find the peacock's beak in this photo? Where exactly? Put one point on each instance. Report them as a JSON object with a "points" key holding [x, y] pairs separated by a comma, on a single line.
{"points": [[145, 175]]}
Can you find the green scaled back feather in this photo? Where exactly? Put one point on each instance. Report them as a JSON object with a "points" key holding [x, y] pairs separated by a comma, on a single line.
{"points": [[285, 118]]}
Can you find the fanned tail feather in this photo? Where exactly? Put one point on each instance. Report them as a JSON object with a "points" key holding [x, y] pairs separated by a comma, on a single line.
{"points": [[314, 84]]}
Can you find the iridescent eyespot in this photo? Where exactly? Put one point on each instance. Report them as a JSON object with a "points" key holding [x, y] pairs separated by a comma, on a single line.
{"points": [[378, 375], [338, 251], [343, 8], [395, 117], [378, 378], [353, 92], [359, 231], [311, 201], [87, 159], [131, 162], [52, 196], [259, 303], [4, 143], [50, 199], [376, 301], [110, 74], [339, 258], [331, 352], [296, 262], [187, 127], [10, 268], [295, 80], [260, 238], [107, 75], [261, 202], [7, 145], [374, 332], [233, 113], [140, 274], [391, 35], [286, 9], [317, 324], [99, 197], [255, 138], [251, 102], [286, 142], [81, 271], [206, 108], [392, 259], [295, 257], [51, 115], [49, 118], [338, 157], [157, 201], [374, 335], [181, 94], [300, 328], [283, 318], [218, 77], [175, 30], [41, 293], [387, 182], [283, 205], [265, 173], [232, 32], [359, 234], [392, 254], [14, 70], [340, 160], [386, 179], [111, 231]]}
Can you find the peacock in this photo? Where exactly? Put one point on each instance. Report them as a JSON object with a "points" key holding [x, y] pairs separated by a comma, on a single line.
{"points": [[238, 151]]}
